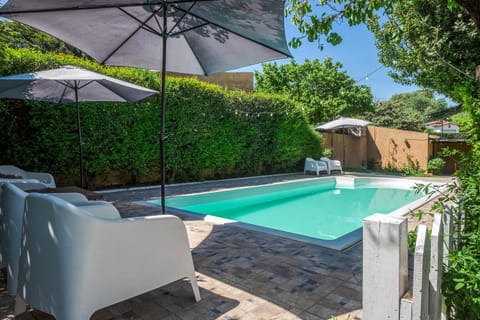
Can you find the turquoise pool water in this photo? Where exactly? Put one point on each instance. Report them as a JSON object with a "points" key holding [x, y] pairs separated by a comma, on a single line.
{"points": [[324, 209]]}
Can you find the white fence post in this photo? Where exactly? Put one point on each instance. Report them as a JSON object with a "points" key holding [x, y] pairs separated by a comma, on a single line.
{"points": [[421, 270], [385, 266], [448, 220], [436, 268], [406, 308]]}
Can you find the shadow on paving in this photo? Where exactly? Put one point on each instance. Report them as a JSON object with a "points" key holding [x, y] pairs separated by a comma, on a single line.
{"points": [[173, 301], [310, 281]]}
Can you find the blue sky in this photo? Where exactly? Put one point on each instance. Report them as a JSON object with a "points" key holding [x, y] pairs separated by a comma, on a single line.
{"points": [[357, 53]]}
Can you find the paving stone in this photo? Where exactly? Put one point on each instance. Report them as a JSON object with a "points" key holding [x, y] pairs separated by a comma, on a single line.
{"points": [[270, 311]]}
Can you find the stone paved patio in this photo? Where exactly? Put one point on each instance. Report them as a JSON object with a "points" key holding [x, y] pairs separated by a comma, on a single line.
{"points": [[242, 274]]}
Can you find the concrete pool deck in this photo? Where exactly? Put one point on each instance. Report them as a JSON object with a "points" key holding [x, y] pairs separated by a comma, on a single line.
{"points": [[242, 274]]}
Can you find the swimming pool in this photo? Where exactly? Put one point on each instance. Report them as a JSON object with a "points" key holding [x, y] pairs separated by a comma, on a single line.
{"points": [[326, 211]]}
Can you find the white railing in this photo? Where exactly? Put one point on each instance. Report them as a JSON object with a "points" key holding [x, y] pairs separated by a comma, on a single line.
{"points": [[386, 292]]}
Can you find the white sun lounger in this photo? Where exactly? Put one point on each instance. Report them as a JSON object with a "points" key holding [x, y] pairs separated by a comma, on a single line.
{"points": [[12, 172], [316, 166], [333, 165]]}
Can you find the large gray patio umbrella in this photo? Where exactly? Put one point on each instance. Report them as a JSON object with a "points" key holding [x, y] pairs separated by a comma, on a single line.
{"points": [[204, 36], [71, 84]]}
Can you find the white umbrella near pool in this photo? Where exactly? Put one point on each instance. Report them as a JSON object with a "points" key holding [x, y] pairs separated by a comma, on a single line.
{"points": [[71, 84], [342, 123], [204, 36]]}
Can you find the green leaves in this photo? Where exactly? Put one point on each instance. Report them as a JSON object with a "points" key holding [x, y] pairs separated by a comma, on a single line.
{"points": [[321, 88], [212, 133], [435, 165], [408, 111], [17, 35], [461, 282], [428, 44], [315, 19]]}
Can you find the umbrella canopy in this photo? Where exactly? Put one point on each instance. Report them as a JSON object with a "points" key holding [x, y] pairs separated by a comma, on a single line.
{"points": [[342, 123], [204, 36], [71, 84]]}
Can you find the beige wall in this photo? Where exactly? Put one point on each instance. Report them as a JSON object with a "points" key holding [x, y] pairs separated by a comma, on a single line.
{"points": [[229, 80], [351, 150], [398, 148], [381, 146]]}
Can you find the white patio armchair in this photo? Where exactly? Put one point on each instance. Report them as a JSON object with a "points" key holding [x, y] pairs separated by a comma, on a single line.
{"points": [[333, 165], [73, 262], [27, 183], [315, 166], [12, 172], [12, 207]]}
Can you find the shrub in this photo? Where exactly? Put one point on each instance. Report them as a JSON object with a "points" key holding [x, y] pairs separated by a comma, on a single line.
{"points": [[212, 133], [435, 165], [327, 153]]}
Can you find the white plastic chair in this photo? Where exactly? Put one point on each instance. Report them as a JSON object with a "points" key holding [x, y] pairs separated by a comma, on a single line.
{"points": [[12, 208], [73, 262], [333, 165], [12, 172], [315, 166], [28, 183]]}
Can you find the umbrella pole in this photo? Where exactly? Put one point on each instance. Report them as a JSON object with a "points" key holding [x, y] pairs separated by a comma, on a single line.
{"points": [[79, 135], [343, 138], [163, 105]]}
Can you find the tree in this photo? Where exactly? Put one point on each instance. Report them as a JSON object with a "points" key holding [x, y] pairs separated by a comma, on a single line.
{"points": [[425, 103], [430, 45], [316, 18], [473, 8], [409, 111], [395, 114], [433, 44], [322, 88], [17, 35]]}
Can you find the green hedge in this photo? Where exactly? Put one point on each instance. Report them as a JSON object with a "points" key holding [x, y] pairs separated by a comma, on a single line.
{"points": [[212, 133]]}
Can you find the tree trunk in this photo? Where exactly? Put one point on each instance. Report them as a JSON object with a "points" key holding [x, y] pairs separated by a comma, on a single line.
{"points": [[473, 7]]}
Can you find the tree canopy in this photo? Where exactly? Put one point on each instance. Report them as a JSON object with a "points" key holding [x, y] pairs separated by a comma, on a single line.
{"points": [[17, 35], [316, 18], [430, 45], [410, 111], [394, 114], [323, 89]]}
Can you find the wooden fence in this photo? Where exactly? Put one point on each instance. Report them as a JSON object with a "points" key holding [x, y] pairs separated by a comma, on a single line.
{"points": [[386, 290]]}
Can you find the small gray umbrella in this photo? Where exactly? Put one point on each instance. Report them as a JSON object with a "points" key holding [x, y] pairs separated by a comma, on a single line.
{"points": [[71, 84], [204, 36], [342, 123]]}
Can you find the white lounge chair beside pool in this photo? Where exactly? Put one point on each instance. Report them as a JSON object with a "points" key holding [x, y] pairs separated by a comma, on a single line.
{"points": [[333, 165], [316, 166], [12, 172], [101, 260]]}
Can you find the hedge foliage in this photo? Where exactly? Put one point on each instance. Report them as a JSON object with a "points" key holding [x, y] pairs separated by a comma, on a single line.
{"points": [[212, 133]]}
